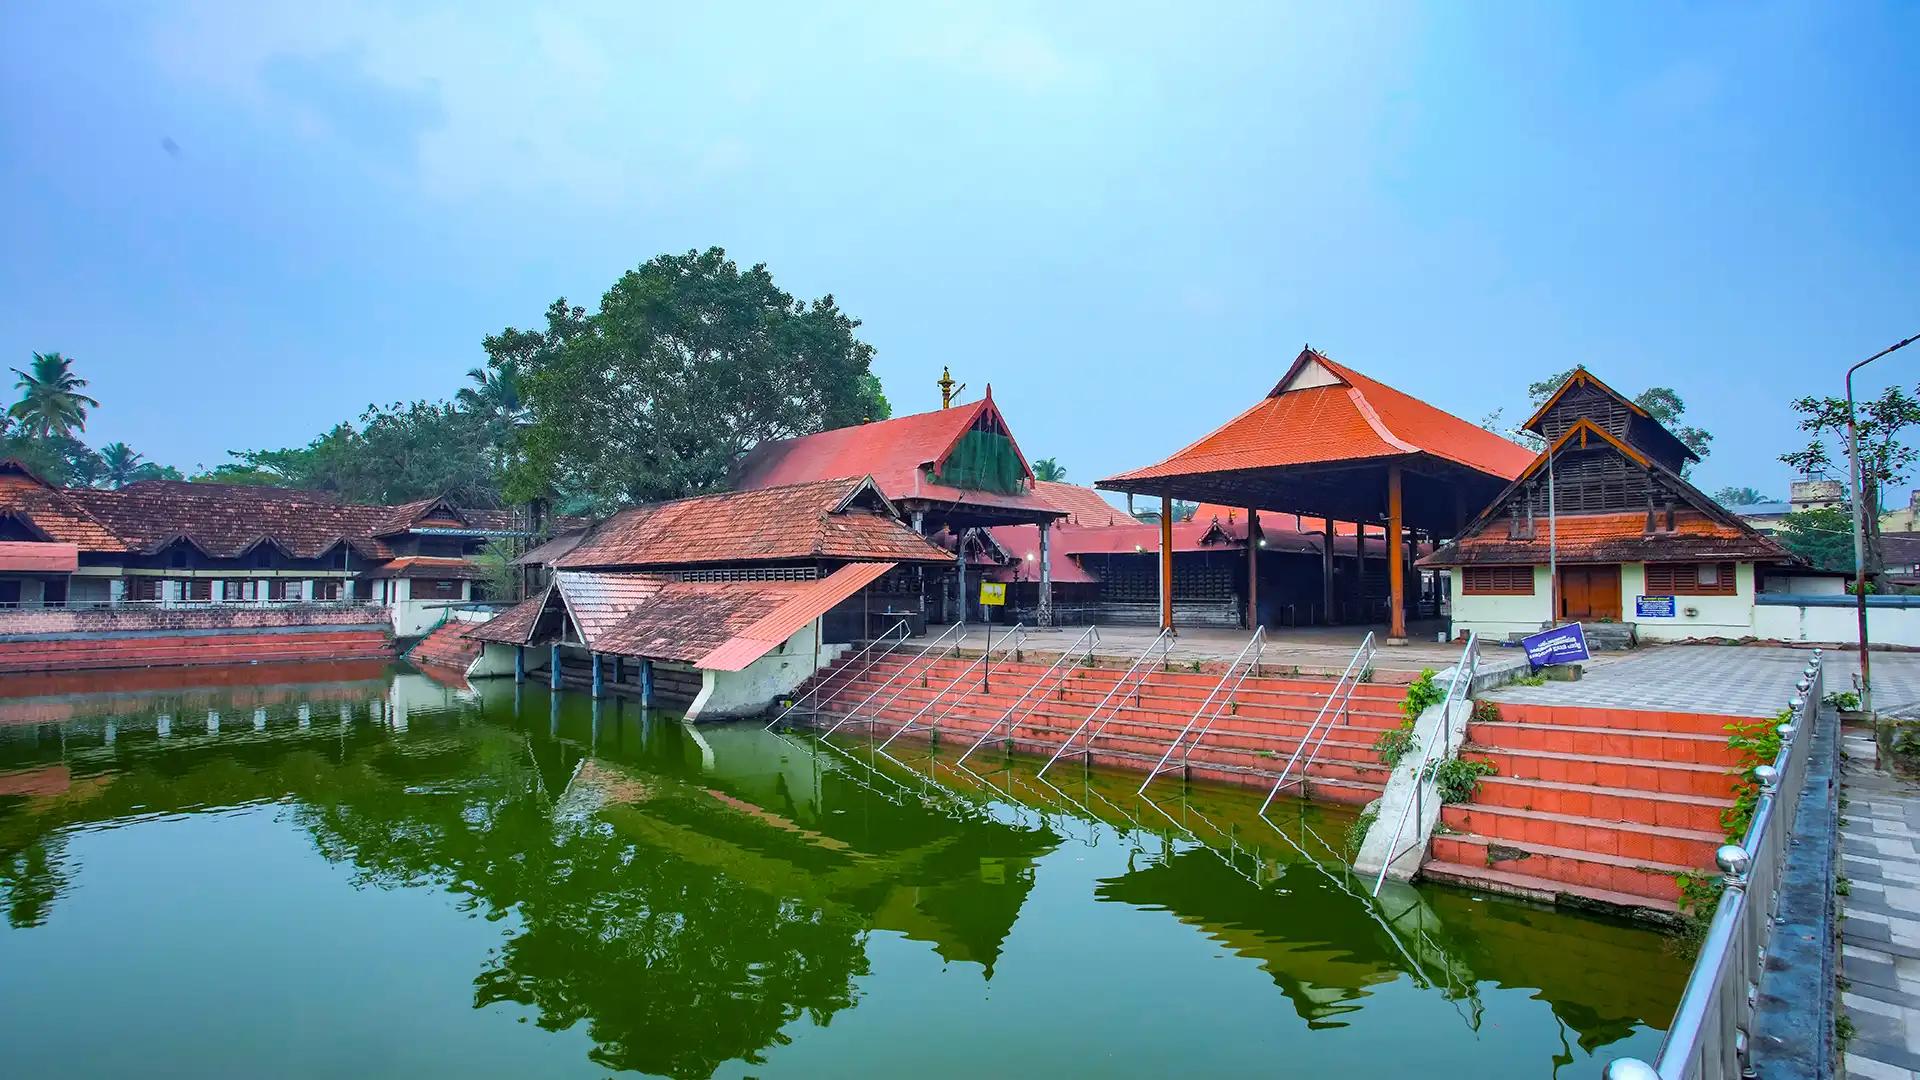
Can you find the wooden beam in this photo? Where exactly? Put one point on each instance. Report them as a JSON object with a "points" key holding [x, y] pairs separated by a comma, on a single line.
{"points": [[1326, 573], [1396, 558], [1166, 562]]}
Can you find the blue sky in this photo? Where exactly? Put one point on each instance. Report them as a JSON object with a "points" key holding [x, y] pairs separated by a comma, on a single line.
{"points": [[246, 222]]}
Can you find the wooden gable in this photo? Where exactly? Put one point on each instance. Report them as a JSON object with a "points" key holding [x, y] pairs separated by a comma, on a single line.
{"points": [[1584, 397]]}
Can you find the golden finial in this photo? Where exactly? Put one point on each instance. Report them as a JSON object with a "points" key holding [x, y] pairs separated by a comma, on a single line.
{"points": [[946, 386]]}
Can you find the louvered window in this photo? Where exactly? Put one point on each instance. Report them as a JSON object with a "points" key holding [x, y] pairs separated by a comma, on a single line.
{"points": [[1690, 579], [1499, 581]]}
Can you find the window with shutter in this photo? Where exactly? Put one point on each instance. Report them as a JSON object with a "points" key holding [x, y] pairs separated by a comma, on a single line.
{"points": [[1690, 579], [1498, 581]]}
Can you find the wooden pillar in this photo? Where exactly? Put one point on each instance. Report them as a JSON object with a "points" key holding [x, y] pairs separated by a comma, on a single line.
{"points": [[1326, 573], [1396, 558], [519, 663], [599, 677], [1166, 562], [1045, 615], [1253, 569], [553, 675], [1360, 569]]}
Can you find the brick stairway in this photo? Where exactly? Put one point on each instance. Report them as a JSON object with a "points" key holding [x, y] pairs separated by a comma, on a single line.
{"points": [[1605, 805], [1249, 743], [447, 646]]}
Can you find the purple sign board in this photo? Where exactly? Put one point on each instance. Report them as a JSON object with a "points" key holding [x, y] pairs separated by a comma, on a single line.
{"points": [[1560, 645]]}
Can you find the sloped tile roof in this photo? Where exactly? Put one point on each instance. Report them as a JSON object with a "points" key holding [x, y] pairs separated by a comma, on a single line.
{"points": [[550, 550], [686, 620], [514, 626], [1323, 412], [427, 566], [52, 512], [227, 521], [781, 623], [1083, 505], [599, 601], [896, 453], [795, 521], [1610, 538]]}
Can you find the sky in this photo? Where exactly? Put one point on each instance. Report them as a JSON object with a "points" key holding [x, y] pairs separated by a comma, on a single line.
{"points": [[246, 222]]}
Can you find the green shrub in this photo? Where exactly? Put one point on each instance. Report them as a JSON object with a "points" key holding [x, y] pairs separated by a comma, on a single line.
{"points": [[1458, 778], [1421, 692], [1392, 745], [1357, 832], [1843, 700], [1486, 712], [1758, 741]]}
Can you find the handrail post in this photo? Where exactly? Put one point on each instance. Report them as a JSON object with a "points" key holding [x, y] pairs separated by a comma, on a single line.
{"points": [[1007, 717], [1163, 641], [1258, 639], [1342, 692], [1463, 673], [1018, 634]]}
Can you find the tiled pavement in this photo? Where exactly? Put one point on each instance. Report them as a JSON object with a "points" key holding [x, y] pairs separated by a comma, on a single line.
{"points": [[1732, 680], [1880, 934]]}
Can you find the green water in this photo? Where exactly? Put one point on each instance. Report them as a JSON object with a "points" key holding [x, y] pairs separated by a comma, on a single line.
{"points": [[369, 873]]}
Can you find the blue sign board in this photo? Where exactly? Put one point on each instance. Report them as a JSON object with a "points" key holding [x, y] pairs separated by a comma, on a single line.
{"points": [[1560, 645], [1653, 607]]}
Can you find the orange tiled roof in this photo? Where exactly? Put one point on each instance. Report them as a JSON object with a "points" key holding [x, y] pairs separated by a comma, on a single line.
{"points": [[38, 557], [1083, 505], [515, 625], [825, 519], [50, 512], [427, 566], [1610, 538], [896, 453], [1323, 412]]}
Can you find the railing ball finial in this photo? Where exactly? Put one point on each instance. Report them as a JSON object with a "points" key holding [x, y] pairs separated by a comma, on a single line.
{"points": [[1733, 860], [1786, 732], [1805, 684], [1629, 1069], [1768, 776], [1796, 703]]}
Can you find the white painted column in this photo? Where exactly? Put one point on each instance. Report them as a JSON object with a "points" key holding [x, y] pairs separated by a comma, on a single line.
{"points": [[1045, 617], [116, 590], [163, 724]]}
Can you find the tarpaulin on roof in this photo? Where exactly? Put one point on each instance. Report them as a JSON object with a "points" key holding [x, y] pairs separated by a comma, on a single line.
{"points": [[983, 461]]}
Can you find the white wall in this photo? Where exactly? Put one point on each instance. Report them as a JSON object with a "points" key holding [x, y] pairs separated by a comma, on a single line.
{"points": [[1807, 585], [1837, 624], [1498, 617], [1711, 616], [412, 618], [750, 691]]}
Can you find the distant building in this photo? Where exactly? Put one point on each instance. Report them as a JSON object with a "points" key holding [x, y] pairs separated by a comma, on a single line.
{"points": [[1634, 543], [1903, 521], [163, 542]]}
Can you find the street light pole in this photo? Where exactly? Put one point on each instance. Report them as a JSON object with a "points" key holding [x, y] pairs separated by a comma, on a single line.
{"points": [[1860, 523]]}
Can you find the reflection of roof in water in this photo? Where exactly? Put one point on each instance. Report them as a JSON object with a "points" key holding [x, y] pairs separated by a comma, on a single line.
{"points": [[1320, 947]]}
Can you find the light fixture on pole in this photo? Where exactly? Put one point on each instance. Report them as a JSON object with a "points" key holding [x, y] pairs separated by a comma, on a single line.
{"points": [[1857, 493]]}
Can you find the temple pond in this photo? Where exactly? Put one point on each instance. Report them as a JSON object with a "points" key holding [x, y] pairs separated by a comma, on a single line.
{"points": [[357, 869]]}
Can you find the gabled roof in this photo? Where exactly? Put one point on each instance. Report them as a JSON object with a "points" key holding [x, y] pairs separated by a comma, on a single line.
{"points": [[1083, 505], [827, 519], [1702, 529], [515, 625], [1321, 413], [897, 453], [1642, 425], [51, 513], [1580, 376]]}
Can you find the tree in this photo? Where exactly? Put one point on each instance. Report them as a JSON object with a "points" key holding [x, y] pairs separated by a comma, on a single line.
{"points": [[121, 464], [688, 363], [1823, 537], [1495, 421], [1740, 496], [1660, 402], [499, 577], [1047, 468], [50, 402], [1884, 459], [400, 453], [61, 460]]}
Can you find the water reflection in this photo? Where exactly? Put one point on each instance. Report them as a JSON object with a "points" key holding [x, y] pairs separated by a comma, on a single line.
{"points": [[694, 897]]}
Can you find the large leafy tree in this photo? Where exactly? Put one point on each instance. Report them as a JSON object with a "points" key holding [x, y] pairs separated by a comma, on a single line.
{"points": [[688, 362], [398, 453], [51, 403], [1885, 460], [1660, 402], [1823, 537], [121, 465]]}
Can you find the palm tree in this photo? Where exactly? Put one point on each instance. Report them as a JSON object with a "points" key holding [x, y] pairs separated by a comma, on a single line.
{"points": [[1048, 469], [496, 399], [122, 465], [50, 399]]}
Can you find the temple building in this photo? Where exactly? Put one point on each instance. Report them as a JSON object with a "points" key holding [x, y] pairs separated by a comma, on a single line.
{"points": [[715, 604], [1601, 528], [162, 542], [952, 473]]}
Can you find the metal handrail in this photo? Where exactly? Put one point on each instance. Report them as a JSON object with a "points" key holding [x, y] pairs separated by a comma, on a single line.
{"points": [[846, 667], [1065, 654], [1709, 1034], [1162, 641], [1463, 673], [1256, 643], [956, 628], [1018, 634], [1356, 667]]}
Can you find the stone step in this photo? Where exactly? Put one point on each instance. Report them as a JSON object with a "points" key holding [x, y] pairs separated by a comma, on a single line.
{"points": [[1673, 778], [1509, 883], [1678, 847], [1603, 803], [1634, 877], [1640, 745]]}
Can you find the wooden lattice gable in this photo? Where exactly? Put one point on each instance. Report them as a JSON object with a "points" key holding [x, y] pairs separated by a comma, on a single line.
{"points": [[965, 462], [1597, 476], [1584, 397]]}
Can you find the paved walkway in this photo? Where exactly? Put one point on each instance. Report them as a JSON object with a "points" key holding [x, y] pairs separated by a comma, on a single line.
{"points": [[1310, 648], [1880, 934], [1729, 680]]}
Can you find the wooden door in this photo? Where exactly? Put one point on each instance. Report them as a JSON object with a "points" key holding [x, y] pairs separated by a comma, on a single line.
{"points": [[1590, 593]]}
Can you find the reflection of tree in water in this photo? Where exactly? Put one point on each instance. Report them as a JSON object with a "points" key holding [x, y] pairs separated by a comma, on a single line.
{"points": [[675, 967], [31, 879]]}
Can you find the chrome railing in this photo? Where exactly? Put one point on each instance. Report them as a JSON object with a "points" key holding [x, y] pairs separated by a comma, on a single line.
{"points": [[1256, 644], [1011, 642], [958, 631], [1163, 643], [1330, 711], [852, 667], [1709, 1034], [1462, 684], [1091, 636]]}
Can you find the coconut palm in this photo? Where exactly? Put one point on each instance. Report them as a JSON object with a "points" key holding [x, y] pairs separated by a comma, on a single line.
{"points": [[1048, 469], [121, 465], [50, 399], [496, 399]]}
